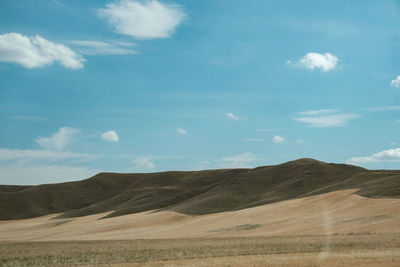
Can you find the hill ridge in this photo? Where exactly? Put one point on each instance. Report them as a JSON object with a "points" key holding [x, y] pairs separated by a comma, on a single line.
{"points": [[194, 192]]}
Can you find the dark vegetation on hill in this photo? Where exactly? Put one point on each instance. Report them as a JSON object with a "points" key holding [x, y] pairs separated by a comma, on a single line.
{"points": [[194, 192]]}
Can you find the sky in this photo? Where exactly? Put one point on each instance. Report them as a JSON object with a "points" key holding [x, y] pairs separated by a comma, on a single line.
{"points": [[154, 85]]}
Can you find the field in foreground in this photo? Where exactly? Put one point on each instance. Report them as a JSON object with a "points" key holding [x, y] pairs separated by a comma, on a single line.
{"points": [[314, 250]]}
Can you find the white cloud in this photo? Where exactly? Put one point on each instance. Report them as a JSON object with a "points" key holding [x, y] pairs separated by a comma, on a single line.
{"points": [[35, 51], [390, 155], [143, 163], [325, 62], [59, 140], [238, 161], [318, 112], [253, 139], [146, 19], [27, 175], [182, 131], [318, 118], [110, 136], [233, 116], [278, 139], [396, 82], [104, 48]]}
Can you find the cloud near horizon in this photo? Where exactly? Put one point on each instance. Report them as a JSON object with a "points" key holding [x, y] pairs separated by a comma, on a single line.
{"points": [[238, 161], [390, 155], [18, 174], [147, 19], [35, 51], [143, 163]]}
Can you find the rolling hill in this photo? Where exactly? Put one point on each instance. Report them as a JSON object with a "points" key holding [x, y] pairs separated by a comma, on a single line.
{"points": [[194, 192]]}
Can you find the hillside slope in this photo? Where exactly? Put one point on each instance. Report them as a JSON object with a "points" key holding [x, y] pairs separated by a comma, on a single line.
{"points": [[197, 192]]}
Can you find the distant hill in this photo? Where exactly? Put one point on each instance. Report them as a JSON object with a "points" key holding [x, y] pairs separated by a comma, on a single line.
{"points": [[194, 192]]}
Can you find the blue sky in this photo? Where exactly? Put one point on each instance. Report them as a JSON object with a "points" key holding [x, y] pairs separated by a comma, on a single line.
{"points": [[144, 86]]}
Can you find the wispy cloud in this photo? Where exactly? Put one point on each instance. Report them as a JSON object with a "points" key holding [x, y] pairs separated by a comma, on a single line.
{"points": [[35, 51], [29, 118], [383, 108], [325, 62], [58, 140], [104, 48], [40, 155], [181, 131], [390, 155], [299, 141], [268, 130], [325, 26], [316, 119], [278, 139], [233, 116], [253, 139], [238, 161], [396, 82], [143, 19], [110, 136], [318, 112]]}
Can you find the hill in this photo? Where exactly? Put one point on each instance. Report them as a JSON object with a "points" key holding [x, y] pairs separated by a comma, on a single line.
{"points": [[194, 192]]}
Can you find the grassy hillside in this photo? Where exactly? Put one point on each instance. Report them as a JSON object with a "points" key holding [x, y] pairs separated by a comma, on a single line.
{"points": [[197, 192]]}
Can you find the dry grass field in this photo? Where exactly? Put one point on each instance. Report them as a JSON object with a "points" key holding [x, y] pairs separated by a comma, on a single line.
{"points": [[333, 229], [314, 250], [301, 213]]}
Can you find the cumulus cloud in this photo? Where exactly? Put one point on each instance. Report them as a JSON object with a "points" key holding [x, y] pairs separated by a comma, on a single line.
{"points": [[325, 62], [181, 131], [103, 48], [59, 140], [278, 139], [35, 51], [143, 163], [396, 82], [145, 19], [390, 155], [324, 118], [233, 116], [110, 136], [238, 161]]}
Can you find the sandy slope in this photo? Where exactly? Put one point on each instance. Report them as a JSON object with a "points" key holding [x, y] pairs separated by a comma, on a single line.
{"points": [[335, 212]]}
